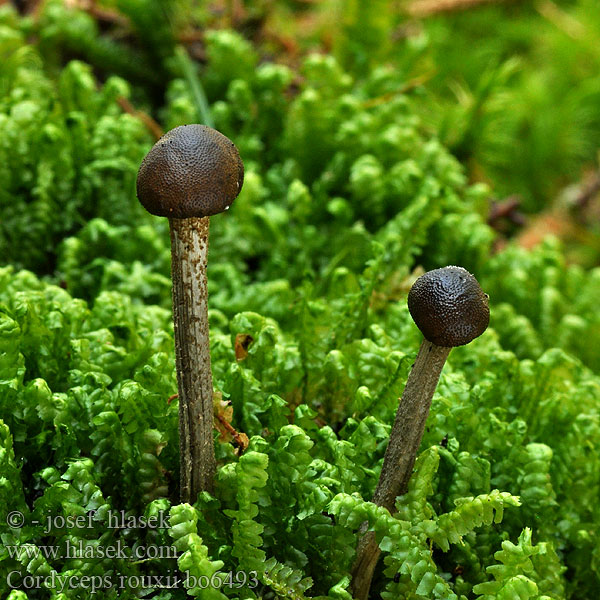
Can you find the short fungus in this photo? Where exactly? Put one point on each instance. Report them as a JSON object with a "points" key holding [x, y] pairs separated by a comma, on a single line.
{"points": [[191, 173], [450, 309]]}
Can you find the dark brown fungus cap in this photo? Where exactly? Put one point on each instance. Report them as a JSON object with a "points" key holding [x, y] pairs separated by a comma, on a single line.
{"points": [[449, 306], [192, 171]]}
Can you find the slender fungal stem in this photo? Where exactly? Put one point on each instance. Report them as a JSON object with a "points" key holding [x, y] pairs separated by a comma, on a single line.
{"points": [[406, 434], [401, 453], [189, 252], [367, 555]]}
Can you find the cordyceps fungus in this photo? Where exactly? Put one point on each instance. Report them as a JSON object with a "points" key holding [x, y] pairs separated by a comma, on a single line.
{"points": [[191, 173], [450, 309]]}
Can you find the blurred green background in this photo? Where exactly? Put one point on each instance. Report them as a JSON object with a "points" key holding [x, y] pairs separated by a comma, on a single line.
{"points": [[511, 87]]}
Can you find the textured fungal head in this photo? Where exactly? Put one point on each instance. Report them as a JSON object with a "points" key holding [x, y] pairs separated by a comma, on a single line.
{"points": [[449, 306], [192, 171]]}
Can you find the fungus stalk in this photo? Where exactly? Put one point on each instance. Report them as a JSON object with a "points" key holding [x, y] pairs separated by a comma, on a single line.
{"points": [[191, 173], [400, 455], [450, 309], [409, 424], [189, 256]]}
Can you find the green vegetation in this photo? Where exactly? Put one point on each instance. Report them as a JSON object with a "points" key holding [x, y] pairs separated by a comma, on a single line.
{"points": [[361, 172]]}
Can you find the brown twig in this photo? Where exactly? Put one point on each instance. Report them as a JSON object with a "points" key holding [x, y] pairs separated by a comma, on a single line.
{"points": [[506, 209], [240, 439], [588, 191], [427, 8], [152, 126], [190, 36], [567, 215], [100, 14]]}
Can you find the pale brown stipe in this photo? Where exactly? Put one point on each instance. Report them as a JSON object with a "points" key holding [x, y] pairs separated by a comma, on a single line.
{"points": [[192, 172], [448, 306], [189, 254]]}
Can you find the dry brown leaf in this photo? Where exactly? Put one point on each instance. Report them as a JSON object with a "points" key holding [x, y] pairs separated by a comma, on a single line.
{"points": [[242, 343], [223, 411]]}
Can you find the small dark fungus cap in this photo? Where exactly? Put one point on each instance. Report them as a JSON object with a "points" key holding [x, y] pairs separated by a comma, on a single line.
{"points": [[449, 306], [192, 171]]}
